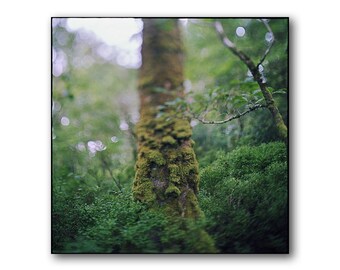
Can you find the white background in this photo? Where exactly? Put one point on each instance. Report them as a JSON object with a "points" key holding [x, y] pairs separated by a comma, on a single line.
{"points": [[25, 133]]}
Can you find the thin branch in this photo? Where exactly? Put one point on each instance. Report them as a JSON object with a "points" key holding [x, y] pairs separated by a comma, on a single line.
{"points": [[232, 117], [115, 180], [270, 103], [254, 69], [229, 44], [107, 167], [271, 43]]}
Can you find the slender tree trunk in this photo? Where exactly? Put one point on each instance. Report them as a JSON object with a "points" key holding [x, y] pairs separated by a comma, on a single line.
{"points": [[272, 107], [270, 102], [166, 167]]}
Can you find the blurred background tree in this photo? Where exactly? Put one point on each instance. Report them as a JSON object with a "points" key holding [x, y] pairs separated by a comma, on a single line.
{"points": [[95, 107]]}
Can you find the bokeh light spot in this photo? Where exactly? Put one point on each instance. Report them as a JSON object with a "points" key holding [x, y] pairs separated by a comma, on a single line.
{"points": [[269, 37], [114, 139], [240, 31], [261, 68], [81, 146], [193, 122], [65, 121], [123, 125]]}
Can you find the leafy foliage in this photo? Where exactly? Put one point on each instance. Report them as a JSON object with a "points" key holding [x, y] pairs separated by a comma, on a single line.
{"points": [[224, 86], [244, 197], [243, 189], [114, 223]]}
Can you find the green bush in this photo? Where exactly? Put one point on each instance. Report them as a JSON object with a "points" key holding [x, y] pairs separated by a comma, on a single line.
{"points": [[115, 223], [244, 195]]}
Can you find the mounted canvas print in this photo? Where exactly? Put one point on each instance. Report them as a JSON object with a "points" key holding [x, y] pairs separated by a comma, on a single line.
{"points": [[170, 135]]}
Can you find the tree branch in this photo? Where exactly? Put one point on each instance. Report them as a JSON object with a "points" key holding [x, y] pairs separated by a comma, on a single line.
{"points": [[231, 46], [270, 103], [107, 167], [232, 117], [271, 43]]}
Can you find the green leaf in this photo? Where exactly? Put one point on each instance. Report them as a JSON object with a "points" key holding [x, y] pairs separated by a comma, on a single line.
{"points": [[270, 89], [239, 101], [280, 91], [259, 100], [257, 91]]}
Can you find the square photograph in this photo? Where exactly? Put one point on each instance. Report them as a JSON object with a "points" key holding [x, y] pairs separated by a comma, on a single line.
{"points": [[169, 135]]}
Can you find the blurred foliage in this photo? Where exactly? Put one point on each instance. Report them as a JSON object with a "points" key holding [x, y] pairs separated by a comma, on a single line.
{"points": [[95, 99], [243, 189], [219, 83], [244, 197], [94, 222]]}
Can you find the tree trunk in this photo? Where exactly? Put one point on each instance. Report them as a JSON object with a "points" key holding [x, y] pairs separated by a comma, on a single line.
{"points": [[272, 107], [166, 167]]}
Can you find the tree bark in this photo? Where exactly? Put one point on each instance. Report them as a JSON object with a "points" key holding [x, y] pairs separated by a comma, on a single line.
{"points": [[166, 167]]}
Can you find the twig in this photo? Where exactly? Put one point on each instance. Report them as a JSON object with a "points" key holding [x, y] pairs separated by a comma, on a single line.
{"points": [[270, 103], [115, 180], [271, 43], [106, 166], [232, 117], [228, 43]]}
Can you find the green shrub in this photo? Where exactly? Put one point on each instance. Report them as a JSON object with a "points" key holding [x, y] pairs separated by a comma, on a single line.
{"points": [[115, 223], [244, 197]]}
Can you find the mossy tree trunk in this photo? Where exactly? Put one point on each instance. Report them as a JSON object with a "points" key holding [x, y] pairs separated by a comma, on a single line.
{"points": [[166, 167]]}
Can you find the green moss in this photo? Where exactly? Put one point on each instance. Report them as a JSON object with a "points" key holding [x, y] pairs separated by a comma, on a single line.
{"points": [[144, 192], [172, 190], [162, 123], [172, 207], [283, 131], [188, 154], [190, 205], [174, 169], [166, 168], [173, 155], [175, 179], [169, 140], [183, 135], [190, 170], [182, 129], [166, 159], [154, 156], [175, 173], [142, 168]]}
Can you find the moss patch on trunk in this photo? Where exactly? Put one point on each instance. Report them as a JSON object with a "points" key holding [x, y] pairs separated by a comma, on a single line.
{"points": [[166, 166]]}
